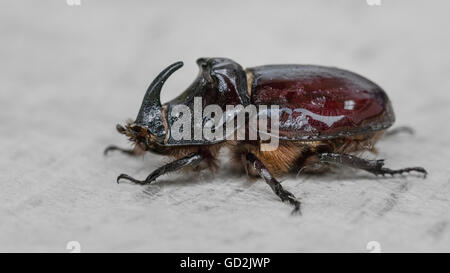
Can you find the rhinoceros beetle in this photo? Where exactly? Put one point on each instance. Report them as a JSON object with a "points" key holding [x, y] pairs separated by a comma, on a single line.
{"points": [[325, 116]]}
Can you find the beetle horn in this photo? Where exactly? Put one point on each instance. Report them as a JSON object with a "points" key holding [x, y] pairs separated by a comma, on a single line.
{"points": [[151, 104], [152, 96]]}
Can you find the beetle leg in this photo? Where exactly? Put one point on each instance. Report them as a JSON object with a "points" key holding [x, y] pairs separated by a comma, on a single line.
{"points": [[372, 166], [245, 162], [189, 160], [136, 151], [273, 183], [401, 129]]}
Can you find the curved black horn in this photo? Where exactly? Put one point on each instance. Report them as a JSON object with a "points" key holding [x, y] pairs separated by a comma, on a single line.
{"points": [[151, 103], [152, 96]]}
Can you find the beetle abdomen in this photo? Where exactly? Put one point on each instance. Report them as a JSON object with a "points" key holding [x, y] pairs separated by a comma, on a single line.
{"points": [[317, 102]]}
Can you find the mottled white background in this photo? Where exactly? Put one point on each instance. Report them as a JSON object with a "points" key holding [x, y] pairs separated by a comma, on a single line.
{"points": [[68, 74]]}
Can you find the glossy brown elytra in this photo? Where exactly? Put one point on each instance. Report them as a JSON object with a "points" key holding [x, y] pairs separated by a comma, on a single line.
{"points": [[325, 116]]}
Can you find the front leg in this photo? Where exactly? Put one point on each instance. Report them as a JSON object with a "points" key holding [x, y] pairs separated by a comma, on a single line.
{"points": [[273, 183], [136, 151], [372, 166], [189, 160]]}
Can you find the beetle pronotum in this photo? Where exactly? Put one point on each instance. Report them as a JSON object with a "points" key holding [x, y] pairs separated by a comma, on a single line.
{"points": [[333, 114]]}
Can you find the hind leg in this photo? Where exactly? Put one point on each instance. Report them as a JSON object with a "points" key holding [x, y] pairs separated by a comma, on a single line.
{"points": [[373, 166], [399, 130]]}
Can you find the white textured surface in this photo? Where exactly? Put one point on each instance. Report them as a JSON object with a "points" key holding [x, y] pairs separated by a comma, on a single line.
{"points": [[69, 74]]}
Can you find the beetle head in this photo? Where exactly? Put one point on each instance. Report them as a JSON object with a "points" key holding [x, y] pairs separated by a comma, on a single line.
{"points": [[148, 129], [220, 81]]}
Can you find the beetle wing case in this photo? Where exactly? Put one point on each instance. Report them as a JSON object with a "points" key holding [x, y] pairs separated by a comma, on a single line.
{"points": [[317, 102]]}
